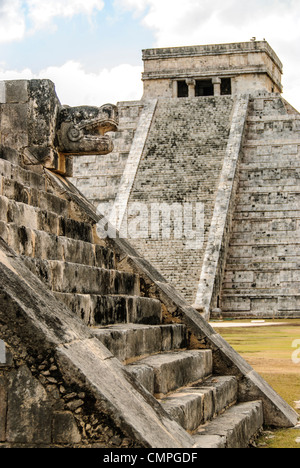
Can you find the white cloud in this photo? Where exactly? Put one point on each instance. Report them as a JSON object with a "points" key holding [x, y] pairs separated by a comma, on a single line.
{"points": [[173, 23], [196, 22], [42, 12], [74, 86], [12, 22], [202, 21], [14, 14], [77, 87]]}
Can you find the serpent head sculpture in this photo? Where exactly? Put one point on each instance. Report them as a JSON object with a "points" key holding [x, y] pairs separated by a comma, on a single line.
{"points": [[82, 130]]}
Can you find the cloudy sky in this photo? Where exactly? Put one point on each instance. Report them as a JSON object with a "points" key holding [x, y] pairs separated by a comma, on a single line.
{"points": [[91, 49]]}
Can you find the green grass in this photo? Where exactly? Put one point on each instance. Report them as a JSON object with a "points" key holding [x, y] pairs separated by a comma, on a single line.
{"points": [[269, 351]]}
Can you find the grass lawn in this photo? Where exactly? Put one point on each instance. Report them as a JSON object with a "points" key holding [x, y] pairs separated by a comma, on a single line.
{"points": [[269, 351]]}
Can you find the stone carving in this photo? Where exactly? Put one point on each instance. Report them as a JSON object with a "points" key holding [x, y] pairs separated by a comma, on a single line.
{"points": [[81, 130]]}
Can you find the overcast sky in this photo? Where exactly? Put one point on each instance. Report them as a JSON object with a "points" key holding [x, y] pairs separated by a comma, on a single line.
{"points": [[91, 49]]}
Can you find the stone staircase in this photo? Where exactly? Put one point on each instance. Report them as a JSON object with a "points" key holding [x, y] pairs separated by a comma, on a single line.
{"points": [[59, 247], [182, 380], [262, 274], [181, 163]]}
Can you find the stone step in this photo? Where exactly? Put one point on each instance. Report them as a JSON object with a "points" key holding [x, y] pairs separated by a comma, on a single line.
{"points": [[265, 199], [239, 302], [43, 245], [263, 313], [286, 126], [271, 171], [282, 159], [272, 124], [106, 310], [236, 262], [263, 279], [270, 136], [262, 284], [165, 373], [278, 292], [254, 190], [265, 227], [274, 136], [31, 196], [271, 163], [23, 176], [32, 217], [288, 117], [128, 342], [267, 264], [233, 429], [256, 207], [22, 214], [250, 253], [266, 215], [82, 279], [274, 239], [260, 305], [254, 179], [236, 269], [274, 275], [193, 406]]}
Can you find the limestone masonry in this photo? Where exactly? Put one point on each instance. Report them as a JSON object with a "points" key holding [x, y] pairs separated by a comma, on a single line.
{"points": [[98, 349]]}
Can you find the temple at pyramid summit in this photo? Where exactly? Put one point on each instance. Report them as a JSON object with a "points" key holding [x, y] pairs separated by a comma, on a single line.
{"points": [[123, 230]]}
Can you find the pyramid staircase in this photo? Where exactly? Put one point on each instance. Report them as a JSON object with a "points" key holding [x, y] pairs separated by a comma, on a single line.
{"points": [[56, 244]]}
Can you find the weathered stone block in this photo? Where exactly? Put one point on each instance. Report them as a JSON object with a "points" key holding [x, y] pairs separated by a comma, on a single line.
{"points": [[175, 370], [193, 406], [289, 303], [16, 91], [144, 310], [236, 304], [64, 429], [28, 411], [14, 116], [144, 374], [131, 341], [237, 425]]}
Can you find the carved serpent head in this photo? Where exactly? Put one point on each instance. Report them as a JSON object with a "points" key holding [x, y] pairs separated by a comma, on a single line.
{"points": [[81, 130]]}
